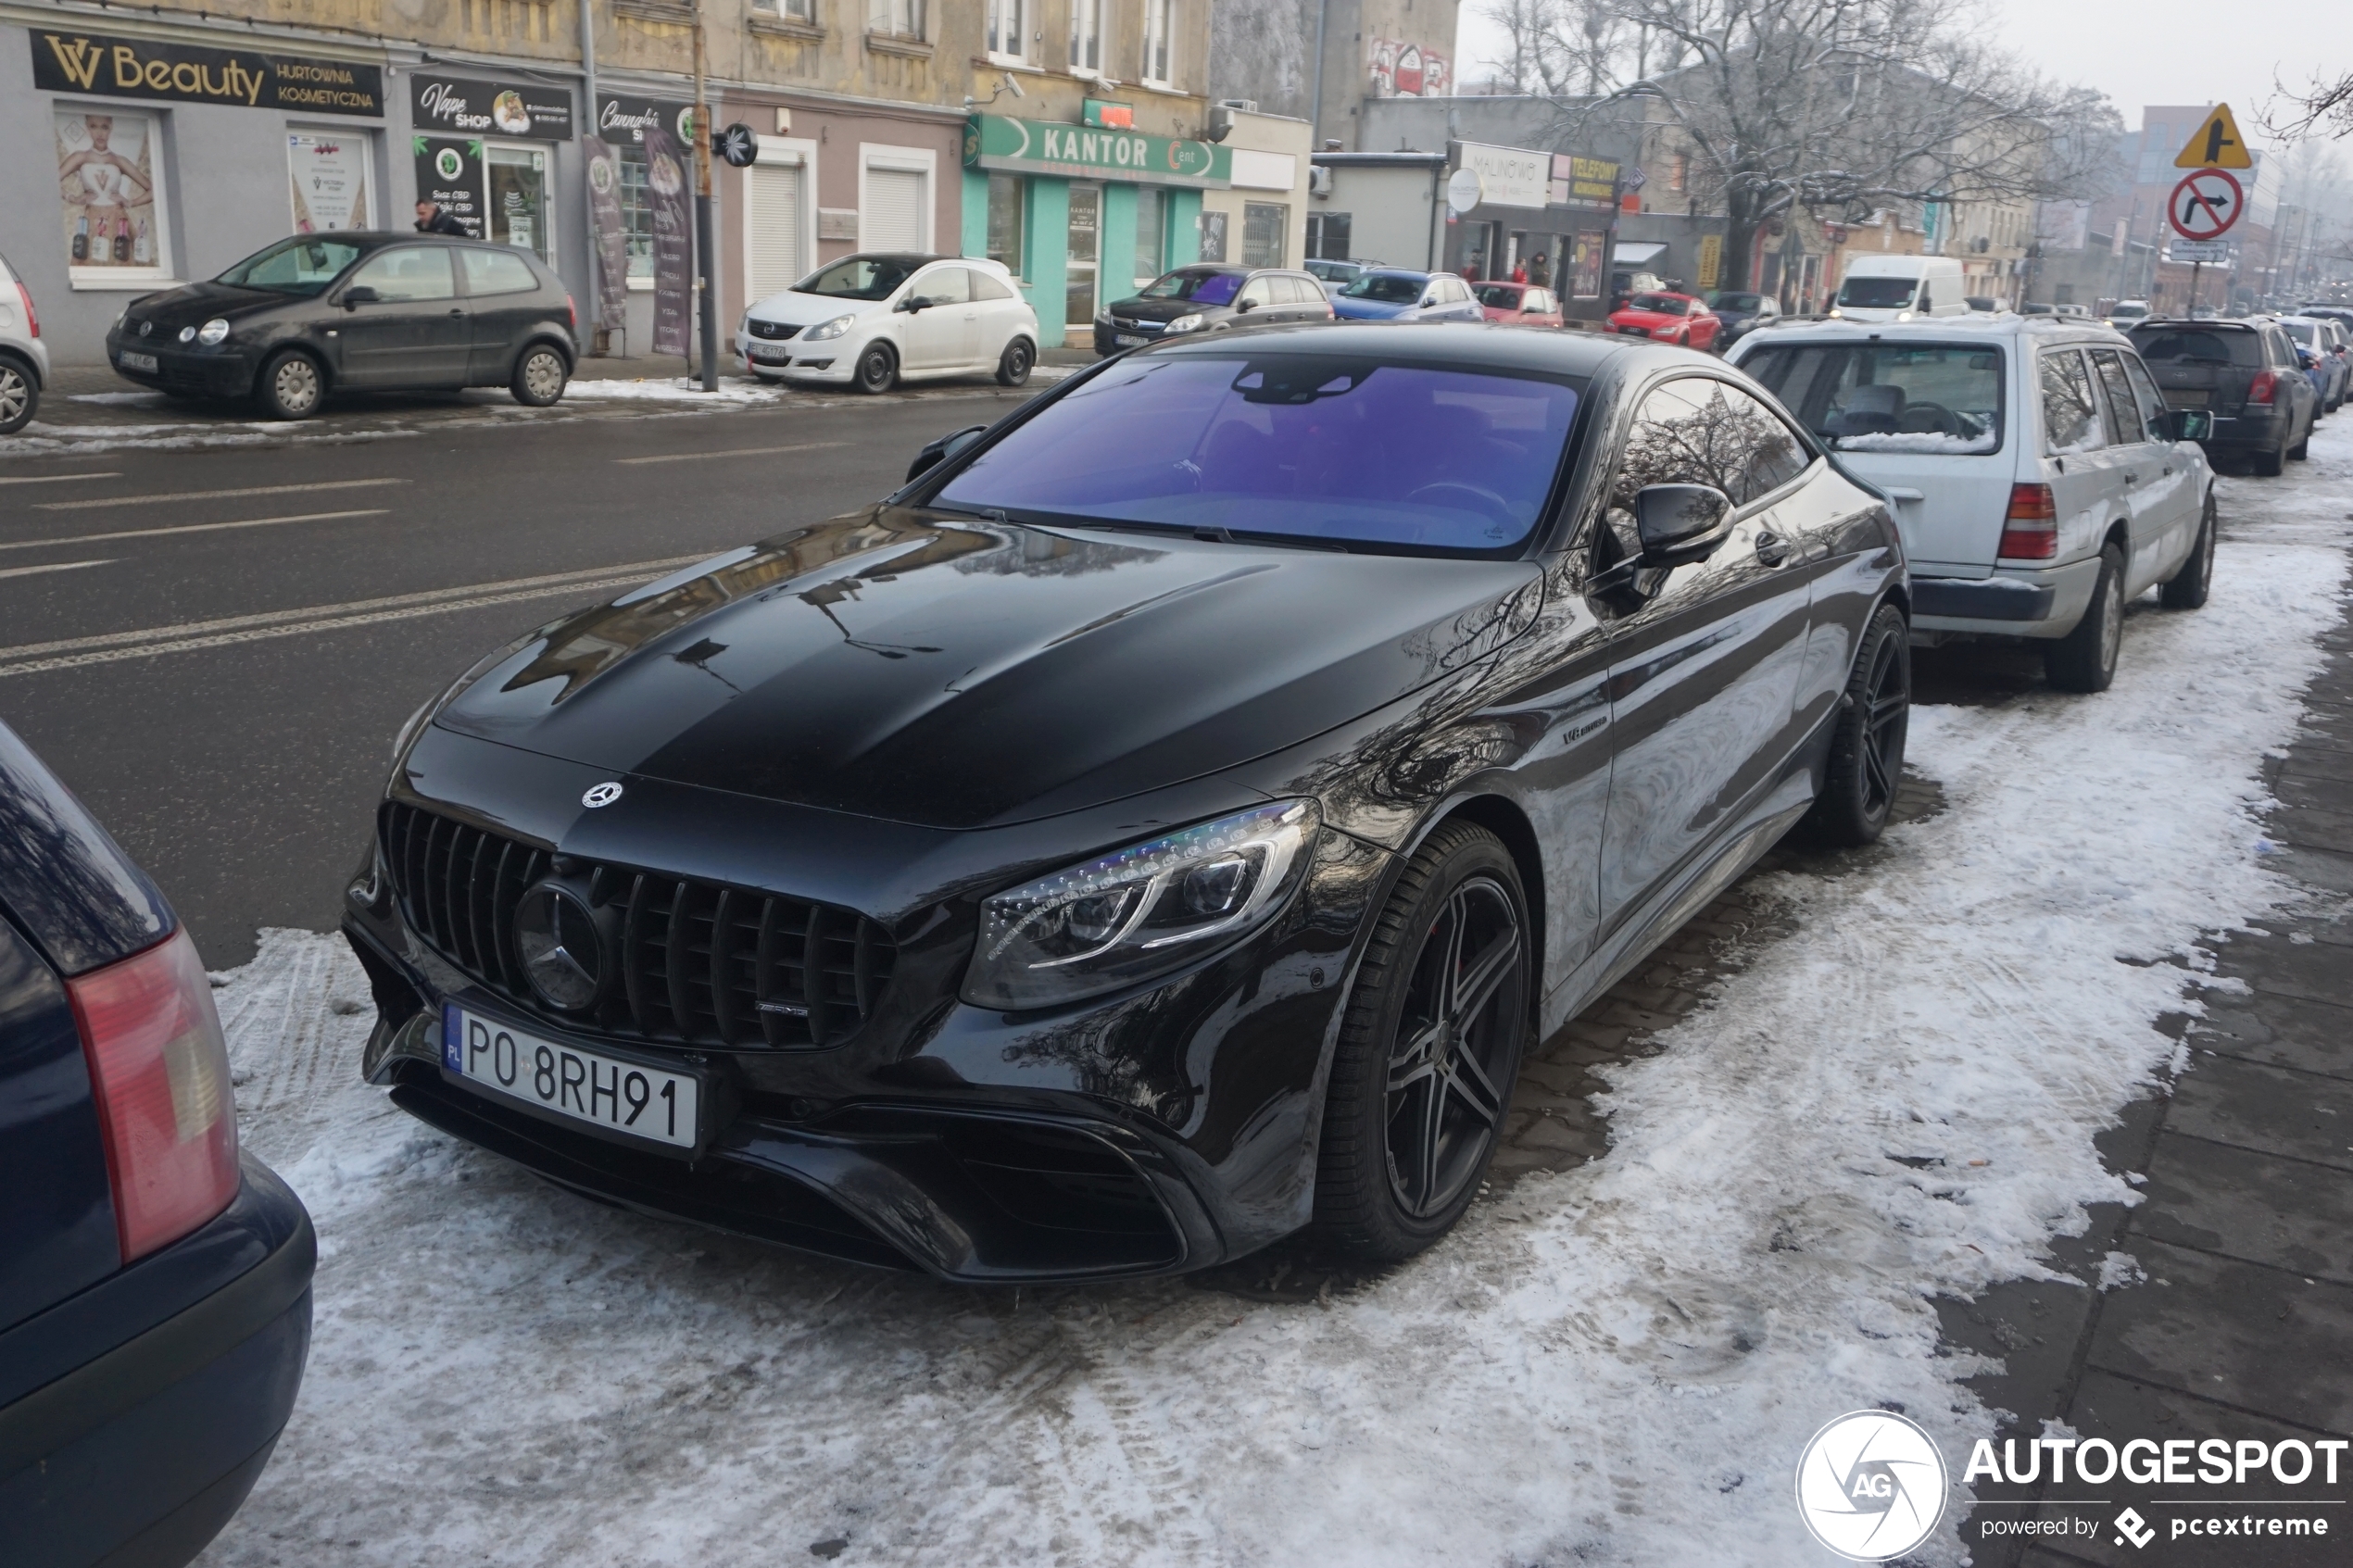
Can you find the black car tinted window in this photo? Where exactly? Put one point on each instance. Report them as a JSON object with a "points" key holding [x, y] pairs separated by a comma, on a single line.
{"points": [[303, 266], [1328, 446], [1697, 430], [498, 272], [409, 273], [2161, 346]]}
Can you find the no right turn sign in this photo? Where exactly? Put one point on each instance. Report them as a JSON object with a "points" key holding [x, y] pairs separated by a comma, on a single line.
{"points": [[2204, 205]]}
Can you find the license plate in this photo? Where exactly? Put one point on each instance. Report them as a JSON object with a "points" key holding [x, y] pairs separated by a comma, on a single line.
{"points": [[130, 361], [2187, 399], [578, 1084], [1124, 340], [1634, 331], [771, 355]]}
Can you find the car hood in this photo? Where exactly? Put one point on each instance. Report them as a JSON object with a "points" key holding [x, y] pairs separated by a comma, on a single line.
{"points": [[808, 310], [957, 673], [199, 303], [1366, 309], [1166, 310]]}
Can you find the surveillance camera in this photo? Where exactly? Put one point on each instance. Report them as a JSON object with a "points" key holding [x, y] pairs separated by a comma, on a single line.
{"points": [[1016, 88]]}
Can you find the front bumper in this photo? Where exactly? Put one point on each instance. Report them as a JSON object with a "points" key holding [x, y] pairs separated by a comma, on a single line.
{"points": [[2013, 602], [142, 1411], [826, 361], [1148, 1132], [210, 372]]}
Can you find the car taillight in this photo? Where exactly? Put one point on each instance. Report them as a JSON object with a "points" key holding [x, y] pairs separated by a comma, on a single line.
{"points": [[159, 1069], [2260, 389], [31, 317], [572, 314], [2030, 532]]}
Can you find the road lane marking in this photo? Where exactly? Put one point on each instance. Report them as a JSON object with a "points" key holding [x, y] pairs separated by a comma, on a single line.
{"points": [[212, 494], [188, 528], [56, 478], [733, 452], [53, 566], [27, 658]]}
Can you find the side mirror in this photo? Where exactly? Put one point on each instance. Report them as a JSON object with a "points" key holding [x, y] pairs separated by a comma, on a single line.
{"points": [[1680, 523], [2186, 424], [358, 294], [914, 303], [1242, 306], [940, 451]]}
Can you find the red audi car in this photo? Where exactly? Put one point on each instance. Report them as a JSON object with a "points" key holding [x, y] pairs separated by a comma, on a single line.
{"points": [[1667, 318]]}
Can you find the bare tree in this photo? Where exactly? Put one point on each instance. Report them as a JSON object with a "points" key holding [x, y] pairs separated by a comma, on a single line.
{"points": [[2324, 108], [1838, 106]]}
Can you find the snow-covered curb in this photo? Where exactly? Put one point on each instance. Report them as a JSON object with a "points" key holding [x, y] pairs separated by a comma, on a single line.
{"points": [[1615, 1365]]}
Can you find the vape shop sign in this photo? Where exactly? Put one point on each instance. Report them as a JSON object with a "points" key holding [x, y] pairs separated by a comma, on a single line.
{"points": [[458, 106]]}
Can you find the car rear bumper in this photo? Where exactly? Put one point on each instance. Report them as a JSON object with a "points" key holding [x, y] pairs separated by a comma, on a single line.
{"points": [[2244, 430], [142, 1409], [2013, 602]]}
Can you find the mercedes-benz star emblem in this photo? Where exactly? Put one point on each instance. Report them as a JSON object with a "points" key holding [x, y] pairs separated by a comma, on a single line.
{"points": [[561, 952], [601, 794]]}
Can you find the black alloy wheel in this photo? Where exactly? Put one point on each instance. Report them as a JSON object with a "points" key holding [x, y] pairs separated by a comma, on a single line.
{"points": [[539, 376], [2188, 588], [1866, 748], [20, 399], [291, 385], [1013, 367], [2084, 660], [1429, 1052], [877, 368]]}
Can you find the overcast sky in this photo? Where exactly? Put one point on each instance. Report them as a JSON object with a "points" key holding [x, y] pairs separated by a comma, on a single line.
{"points": [[2136, 51]]}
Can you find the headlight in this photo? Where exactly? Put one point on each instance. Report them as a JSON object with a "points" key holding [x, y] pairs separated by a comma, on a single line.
{"points": [[1836, 313], [1663, 331], [212, 332], [834, 327], [1139, 912], [1185, 324], [1903, 315]]}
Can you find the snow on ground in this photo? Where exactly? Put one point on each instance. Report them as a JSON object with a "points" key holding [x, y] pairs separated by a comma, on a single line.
{"points": [[1616, 1365]]}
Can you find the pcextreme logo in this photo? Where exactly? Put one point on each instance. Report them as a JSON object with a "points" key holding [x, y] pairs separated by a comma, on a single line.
{"points": [[1871, 1486]]}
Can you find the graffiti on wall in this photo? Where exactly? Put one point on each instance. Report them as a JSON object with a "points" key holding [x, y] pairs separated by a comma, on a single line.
{"points": [[1407, 71]]}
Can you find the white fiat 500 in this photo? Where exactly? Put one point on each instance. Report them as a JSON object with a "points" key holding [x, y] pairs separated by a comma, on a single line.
{"points": [[872, 321], [2040, 481]]}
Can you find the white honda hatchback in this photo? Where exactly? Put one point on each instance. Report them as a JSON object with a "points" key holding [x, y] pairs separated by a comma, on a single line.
{"points": [[2039, 481], [872, 320]]}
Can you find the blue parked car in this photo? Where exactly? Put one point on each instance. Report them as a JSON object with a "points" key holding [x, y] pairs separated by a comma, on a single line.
{"points": [[155, 1284], [1391, 293]]}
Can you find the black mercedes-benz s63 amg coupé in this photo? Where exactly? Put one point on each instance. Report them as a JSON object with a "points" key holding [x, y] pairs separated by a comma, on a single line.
{"points": [[1157, 828]]}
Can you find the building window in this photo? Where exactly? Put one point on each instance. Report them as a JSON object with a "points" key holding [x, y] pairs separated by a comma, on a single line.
{"points": [[1157, 63], [1152, 234], [1678, 169], [1008, 215], [1327, 237], [897, 19], [1087, 35], [1008, 29], [106, 162], [1263, 226]]}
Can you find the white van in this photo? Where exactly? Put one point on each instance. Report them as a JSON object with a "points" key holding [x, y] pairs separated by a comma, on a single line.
{"points": [[2039, 480], [1899, 288]]}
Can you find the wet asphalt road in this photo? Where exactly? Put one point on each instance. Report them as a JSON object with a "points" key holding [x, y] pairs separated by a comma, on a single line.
{"points": [[240, 762]]}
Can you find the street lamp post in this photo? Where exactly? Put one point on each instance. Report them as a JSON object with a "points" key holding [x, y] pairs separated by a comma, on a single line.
{"points": [[707, 261]]}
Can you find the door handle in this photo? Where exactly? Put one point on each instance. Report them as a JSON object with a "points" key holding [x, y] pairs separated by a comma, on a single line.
{"points": [[1771, 549], [457, 310]]}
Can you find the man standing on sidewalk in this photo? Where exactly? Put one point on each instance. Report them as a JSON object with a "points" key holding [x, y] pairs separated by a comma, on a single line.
{"points": [[433, 219]]}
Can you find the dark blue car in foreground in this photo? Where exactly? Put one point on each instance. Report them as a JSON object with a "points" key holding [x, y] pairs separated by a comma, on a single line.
{"points": [[155, 1284]]}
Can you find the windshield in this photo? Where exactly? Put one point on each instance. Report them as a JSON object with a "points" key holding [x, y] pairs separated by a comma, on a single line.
{"points": [[1385, 288], [1662, 303], [1348, 448], [2130, 310], [1503, 296], [1876, 293], [1738, 301], [1201, 288], [302, 266], [859, 277], [1882, 397]]}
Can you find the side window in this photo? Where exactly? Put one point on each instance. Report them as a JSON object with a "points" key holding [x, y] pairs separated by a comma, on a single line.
{"points": [[988, 285], [2121, 405], [1257, 293], [1456, 290], [949, 285], [2145, 391], [2071, 416], [497, 271], [1290, 291], [1928, 297], [1696, 430], [409, 273]]}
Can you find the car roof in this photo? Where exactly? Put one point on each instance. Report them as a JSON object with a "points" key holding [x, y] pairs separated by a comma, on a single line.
{"points": [[1466, 346], [2002, 324]]}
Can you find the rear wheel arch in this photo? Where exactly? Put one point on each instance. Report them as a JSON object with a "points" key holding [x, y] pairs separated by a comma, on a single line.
{"points": [[26, 368], [550, 340]]}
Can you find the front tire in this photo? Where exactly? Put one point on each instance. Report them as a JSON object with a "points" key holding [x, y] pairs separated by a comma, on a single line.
{"points": [[1428, 1051], [291, 386], [877, 369], [540, 374], [2188, 588], [2084, 660], [1013, 364], [19, 398], [1866, 749]]}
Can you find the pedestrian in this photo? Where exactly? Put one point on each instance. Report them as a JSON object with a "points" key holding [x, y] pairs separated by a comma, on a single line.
{"points": [[1539, 271], [1519, 273], [433, 219]]}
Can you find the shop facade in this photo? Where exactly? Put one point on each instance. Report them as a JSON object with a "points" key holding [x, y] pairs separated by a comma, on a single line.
{"points": [[1549, 216], [1083, 215]]}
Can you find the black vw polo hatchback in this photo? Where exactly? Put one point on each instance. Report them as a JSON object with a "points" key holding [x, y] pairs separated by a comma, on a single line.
{"points": [[365, 312], [1156, 829]]}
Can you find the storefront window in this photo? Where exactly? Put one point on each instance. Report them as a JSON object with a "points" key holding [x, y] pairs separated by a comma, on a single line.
{"points": [[107, 176], [330, 179], [1152, 234], [1328, 236], [1264, 225], [636, 209], [1007, 198], [520, 214], [1585, 268]]}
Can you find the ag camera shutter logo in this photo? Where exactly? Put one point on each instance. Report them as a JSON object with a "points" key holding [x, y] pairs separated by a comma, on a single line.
{"points": [[1871, 1486]]}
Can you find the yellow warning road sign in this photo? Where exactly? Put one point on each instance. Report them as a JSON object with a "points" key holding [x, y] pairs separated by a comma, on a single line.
{"points": [[2218, 144]]}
